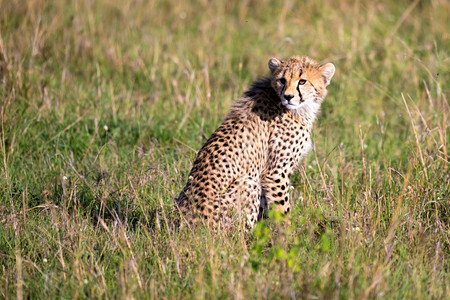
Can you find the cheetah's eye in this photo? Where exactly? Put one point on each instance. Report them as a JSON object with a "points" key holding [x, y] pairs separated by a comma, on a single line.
{"points": [[302, 81], [282, 81]]}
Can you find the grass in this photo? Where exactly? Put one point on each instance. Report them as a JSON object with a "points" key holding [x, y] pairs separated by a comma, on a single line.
{"points": [[104, 104]]}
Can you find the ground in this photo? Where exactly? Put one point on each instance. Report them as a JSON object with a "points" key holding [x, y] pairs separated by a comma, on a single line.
{"points": [[104, 103]]}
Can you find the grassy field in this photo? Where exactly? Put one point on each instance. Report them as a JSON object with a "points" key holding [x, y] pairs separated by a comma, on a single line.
{"points": [[105, 103]]}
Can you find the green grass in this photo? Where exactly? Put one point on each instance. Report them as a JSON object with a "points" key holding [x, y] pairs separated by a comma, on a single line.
{"points": [[104, 104]]}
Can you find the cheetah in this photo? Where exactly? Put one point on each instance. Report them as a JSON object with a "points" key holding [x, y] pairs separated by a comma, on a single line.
{"points": [[244, 168]]}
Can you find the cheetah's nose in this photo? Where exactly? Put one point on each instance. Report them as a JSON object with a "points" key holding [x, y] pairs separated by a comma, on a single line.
{"points": [[288, 97]]}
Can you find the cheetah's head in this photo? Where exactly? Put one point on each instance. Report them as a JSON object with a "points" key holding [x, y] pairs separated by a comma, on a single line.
{"points": [[301, 83]]}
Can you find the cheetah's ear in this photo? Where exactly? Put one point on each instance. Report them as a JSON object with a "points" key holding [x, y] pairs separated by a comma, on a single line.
{"points": [[327, 71], [274, 64]]}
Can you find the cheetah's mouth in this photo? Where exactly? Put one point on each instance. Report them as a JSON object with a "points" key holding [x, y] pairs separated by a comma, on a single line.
{"points": [[292, 106]]}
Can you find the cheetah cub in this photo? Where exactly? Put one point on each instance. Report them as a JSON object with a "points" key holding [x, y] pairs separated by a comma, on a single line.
{"points": [[245, 167]]}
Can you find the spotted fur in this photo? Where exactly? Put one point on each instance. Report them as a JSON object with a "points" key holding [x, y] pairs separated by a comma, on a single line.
{"points": [[245, 167]]}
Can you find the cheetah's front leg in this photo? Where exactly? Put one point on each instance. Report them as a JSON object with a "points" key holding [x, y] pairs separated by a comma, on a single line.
{"points": [[275, 188]]}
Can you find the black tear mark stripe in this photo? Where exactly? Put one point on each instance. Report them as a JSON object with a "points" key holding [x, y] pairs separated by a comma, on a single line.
{"points": [[298, 85], [284, 85], [282, 90]]}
